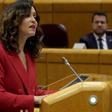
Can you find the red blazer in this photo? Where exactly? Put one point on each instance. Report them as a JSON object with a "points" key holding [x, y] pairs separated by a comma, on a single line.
{"points": [[17, 85]]}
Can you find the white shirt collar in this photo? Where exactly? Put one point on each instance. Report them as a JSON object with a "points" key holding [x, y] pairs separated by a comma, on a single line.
{"points": [[104, 40], [103, 37]]}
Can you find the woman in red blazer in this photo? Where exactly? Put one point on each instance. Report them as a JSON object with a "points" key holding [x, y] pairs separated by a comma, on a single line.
{"points": [[19, 45]]}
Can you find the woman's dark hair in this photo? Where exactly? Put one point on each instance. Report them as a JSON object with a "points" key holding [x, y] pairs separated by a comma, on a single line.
{"points": [[9, 28], [29, 1]]}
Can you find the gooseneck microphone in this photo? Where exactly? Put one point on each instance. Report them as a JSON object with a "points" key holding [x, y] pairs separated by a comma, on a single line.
{"points": [[68, 84], [68, 64]]}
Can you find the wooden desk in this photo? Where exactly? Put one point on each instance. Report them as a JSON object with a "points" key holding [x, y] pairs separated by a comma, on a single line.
{"points": [[76, 97], [51, 68]]}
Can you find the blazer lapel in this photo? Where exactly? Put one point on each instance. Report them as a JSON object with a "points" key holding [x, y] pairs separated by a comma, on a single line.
{"points": [[22, 73], [93, 41], [109, 42]]}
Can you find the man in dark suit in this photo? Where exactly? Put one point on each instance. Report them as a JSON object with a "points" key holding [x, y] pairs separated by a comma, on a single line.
{"points": [[99, 38]]}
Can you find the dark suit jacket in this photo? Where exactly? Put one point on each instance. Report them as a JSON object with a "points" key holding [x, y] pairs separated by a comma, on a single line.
{"points": [[17, 85], [91, 43]]}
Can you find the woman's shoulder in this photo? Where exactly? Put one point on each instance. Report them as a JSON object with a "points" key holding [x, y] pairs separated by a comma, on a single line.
{"points": [[2, 54], [2, 50]]}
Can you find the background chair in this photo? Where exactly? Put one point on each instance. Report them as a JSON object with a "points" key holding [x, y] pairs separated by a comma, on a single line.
{"points": [[55, 35]]}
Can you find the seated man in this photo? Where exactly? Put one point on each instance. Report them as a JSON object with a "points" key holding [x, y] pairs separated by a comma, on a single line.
{"points": [[98, 39]]}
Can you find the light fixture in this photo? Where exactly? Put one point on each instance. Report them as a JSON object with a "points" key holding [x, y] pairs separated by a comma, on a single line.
{"points": [[93, 100]]}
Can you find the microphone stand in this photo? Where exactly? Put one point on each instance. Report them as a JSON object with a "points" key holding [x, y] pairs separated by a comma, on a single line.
{"points": [[74, 72]]}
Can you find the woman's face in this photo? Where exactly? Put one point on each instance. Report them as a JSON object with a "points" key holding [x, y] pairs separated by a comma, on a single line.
{"points": [[29, 25]]}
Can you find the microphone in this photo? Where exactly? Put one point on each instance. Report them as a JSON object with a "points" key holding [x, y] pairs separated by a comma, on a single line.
{"points": [[71, 68], [70, 83]]}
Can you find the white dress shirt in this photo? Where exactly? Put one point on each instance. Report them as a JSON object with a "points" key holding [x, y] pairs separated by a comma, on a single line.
{"points": [[104, 41]]}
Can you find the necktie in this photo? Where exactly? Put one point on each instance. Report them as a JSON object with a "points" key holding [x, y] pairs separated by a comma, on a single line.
{"points": [[100, 43]]}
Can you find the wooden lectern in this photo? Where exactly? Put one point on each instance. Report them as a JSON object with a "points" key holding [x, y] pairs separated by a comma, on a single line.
{"points": [[92, 95]]}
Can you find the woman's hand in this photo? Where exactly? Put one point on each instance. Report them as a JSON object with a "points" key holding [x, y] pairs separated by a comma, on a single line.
{"points": [[38, 99]]}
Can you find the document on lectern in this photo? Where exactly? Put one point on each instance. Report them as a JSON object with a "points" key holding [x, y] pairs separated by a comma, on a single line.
{"points": [[76, 80]]}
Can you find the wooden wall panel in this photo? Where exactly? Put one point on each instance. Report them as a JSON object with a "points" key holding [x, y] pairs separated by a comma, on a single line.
{"points": [[44, 5], [106, 5], [7, 2], [106, 57], [45, 18], [76, 5], [56, 71], [109, 14], [77, 24], [105, 69], [77, 56], [41, 76], [45, 10]]}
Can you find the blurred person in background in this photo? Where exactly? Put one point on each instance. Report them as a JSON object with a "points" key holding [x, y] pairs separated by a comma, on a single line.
{"points": [[98, 38]]}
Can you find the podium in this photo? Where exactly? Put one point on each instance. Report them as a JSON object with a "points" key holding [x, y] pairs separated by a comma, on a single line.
{"points": [[92, 95]]}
